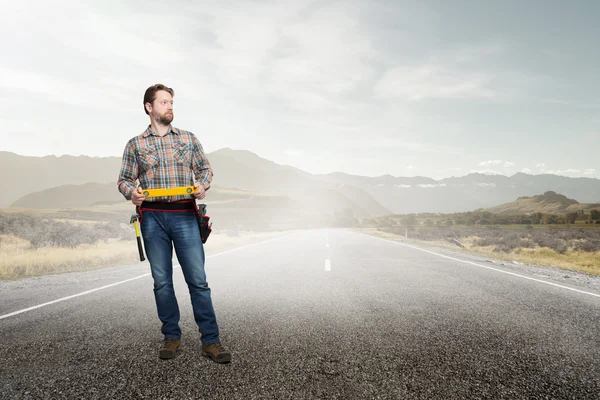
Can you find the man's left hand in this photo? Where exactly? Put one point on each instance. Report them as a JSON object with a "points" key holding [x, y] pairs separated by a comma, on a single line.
{"points": [[199, 192]]}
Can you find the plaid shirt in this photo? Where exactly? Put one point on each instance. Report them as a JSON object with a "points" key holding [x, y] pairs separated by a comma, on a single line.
{"points": [[176, 159]]}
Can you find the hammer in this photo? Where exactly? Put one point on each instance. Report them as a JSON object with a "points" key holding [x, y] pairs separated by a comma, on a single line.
{"points": [[134, 220]]}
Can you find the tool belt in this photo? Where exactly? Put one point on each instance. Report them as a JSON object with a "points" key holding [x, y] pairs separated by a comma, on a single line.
{"points": [[180, 206]]}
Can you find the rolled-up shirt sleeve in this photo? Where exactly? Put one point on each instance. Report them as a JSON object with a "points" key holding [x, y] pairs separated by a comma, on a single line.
{"points": [[203, 170], [128, 174]]}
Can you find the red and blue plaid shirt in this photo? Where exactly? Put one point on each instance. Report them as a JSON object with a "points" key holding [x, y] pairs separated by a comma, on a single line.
{"points": [[176, 159]]}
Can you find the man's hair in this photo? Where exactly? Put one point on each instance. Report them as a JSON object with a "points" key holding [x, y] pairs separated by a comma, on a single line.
{"points": [[150, 94]]}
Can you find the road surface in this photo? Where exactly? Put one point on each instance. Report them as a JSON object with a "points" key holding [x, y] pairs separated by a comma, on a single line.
{"points": [[322, 314]]}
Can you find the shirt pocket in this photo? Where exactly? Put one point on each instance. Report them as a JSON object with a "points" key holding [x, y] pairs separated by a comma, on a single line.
{"points": [[182, 153], [149, 157]]}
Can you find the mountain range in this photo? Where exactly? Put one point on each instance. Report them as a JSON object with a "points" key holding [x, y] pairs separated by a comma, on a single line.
{"points": [[66, 181]]}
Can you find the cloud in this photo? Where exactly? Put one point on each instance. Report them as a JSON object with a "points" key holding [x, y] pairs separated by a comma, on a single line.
{"points": [[386, 142], [464, 71], [496, 162], [568, 171], [432, 81], [490, 162], [564, 172], [485, 172], [60, 90], [308, 55], [253, 74]]}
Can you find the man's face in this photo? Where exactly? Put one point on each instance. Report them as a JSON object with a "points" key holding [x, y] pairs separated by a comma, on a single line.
{"points": [[162, 108]]}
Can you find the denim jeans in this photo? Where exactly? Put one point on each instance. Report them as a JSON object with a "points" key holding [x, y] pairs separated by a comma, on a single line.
{"points": [[162, 231]]}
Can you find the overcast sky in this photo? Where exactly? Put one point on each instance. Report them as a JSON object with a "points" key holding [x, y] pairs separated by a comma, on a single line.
{"points": [[430, 88]]}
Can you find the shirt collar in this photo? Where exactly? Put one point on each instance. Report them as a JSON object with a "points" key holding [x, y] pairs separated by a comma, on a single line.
{"points": [[149, 131]]}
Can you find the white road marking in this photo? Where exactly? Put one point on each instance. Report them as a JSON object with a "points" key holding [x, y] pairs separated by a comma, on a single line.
{"points": [[327, 265], [70, 297], [483, 266], [175, 265]]}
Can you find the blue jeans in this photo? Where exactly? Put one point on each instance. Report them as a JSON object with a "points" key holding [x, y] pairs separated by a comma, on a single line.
{"points": [[161, 230]]}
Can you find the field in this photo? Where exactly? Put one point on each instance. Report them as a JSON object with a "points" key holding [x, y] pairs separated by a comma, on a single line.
{"points": [[37, 242], [47, 242], [19, 260], [570, 246]]}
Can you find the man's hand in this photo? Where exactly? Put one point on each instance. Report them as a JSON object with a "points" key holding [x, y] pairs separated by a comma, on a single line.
{"points": [[137, 197], [199, 192]]}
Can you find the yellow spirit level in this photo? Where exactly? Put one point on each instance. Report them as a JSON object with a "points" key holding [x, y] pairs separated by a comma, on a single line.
{"points": [[168, 191]]}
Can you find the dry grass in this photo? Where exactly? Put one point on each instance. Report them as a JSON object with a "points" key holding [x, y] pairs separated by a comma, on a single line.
{"points": [[581, 261], [588, 262], [77, 221], [22, 261], [19, 260]]}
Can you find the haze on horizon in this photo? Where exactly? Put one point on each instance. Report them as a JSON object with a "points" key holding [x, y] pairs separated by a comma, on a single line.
{"points": [[431, 88]]}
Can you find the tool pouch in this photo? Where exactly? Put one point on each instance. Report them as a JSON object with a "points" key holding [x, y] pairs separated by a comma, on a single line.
{"points": [[205, 228], [203, 222]]}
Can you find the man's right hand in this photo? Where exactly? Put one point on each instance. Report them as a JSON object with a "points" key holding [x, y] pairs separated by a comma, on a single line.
{"points": [[137, 197]]}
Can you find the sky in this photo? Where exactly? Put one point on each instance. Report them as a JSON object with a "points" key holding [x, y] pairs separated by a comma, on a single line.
{"points": [[407, 88]]}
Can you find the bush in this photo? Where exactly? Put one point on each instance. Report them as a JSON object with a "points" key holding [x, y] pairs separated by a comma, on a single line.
{"points": [[503, 240], [588, 245], [508, 246], [42, 232]]}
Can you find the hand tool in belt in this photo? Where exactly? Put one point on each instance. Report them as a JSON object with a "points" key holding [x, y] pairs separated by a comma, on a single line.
{"points": [[135, 221]]}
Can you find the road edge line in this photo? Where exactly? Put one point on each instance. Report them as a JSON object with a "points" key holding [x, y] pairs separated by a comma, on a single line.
{"points": [[175, 265], [482, 266]]}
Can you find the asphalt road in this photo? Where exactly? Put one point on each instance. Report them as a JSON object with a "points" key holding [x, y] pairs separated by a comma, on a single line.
{"points": [[324, 314]]}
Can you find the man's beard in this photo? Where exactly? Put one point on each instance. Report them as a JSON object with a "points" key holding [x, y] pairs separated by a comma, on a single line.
{"points": [[165, 119]]}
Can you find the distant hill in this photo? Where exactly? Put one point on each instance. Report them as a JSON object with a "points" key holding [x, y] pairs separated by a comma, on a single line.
{"points": [[548, 203], [229, 208], [405, 195], [92, 194], [237, 169], [21, 175], [244, 170]]}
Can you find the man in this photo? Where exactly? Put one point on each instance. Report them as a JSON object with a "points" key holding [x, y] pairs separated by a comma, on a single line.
{"points": [[161, 157]]}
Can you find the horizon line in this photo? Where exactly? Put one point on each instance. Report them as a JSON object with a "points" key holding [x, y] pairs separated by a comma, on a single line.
{"points": [[328, 173]]}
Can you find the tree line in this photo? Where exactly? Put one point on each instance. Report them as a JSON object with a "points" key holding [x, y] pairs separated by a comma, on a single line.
{"points": [[484, 218]]}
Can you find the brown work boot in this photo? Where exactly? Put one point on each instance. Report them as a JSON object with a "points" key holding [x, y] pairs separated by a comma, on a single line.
{"points": [[169, 348], [216, 352]]}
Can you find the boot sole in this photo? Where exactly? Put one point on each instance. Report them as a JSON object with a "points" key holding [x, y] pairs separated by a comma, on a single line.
{"points": [[223, 360], [167, 355]]}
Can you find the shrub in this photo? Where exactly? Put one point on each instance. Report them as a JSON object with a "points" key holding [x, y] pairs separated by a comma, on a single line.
{"points": [[42, 232], [588, 245]]}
